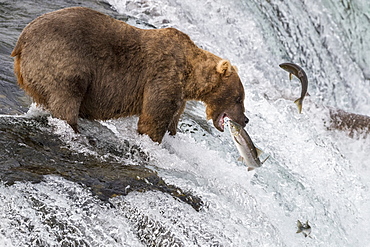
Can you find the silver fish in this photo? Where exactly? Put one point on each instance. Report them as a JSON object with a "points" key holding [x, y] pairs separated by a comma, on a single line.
{"points": [[248, 152], [304, 228], [294, 69]]}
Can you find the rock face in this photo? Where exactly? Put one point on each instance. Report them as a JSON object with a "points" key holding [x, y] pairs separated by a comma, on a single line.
{"points": [[32, 151], [350, 122]]}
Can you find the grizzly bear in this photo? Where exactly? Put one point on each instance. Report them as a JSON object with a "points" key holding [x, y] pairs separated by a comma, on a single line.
{"points": [[77, 62]]}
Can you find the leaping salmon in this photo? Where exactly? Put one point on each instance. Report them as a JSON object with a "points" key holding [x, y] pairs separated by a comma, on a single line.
{"points": [[304, 228], [294, 69]]}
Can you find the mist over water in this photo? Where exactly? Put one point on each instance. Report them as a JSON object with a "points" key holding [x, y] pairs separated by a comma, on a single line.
{"points": [[313, 173]]}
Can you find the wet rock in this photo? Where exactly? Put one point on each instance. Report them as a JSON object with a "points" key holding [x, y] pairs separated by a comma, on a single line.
{"points": [[31, 151], [354, 124]]}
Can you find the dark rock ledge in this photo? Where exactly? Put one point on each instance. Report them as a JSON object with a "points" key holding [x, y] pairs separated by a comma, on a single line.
{"points": [[29, 150]]}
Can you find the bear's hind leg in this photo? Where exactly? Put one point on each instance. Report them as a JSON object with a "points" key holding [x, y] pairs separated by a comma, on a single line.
{"points": [[66, 108], [65, 99]]}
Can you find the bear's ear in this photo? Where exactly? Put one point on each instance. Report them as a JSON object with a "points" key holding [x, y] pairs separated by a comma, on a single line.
{"points": [[236, 69], [224, 67]]}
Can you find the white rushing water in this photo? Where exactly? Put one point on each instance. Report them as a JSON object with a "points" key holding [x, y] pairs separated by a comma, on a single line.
{"points": [[312, 174]]}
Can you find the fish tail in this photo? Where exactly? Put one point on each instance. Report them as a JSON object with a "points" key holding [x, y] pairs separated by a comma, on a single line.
{"points": [[298, 102], [300, 227]]}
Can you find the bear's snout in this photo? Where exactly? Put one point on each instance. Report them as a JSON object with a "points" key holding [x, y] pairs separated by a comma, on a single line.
{"points": [[246, 120], [242, 120]]}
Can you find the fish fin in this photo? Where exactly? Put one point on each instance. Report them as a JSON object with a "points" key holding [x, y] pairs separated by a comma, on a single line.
{"points": [[298, 102], [240, 158], [265, 160], [305, 234], [290, 76], [250, 169], [299, 231], [259, 152], [307, 94]]}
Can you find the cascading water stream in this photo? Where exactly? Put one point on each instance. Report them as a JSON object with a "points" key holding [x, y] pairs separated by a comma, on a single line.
{"points": [[313, 173]]}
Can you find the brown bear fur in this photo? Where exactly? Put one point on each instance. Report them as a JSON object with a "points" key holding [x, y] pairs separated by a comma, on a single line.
{"points": [[79, 62]]}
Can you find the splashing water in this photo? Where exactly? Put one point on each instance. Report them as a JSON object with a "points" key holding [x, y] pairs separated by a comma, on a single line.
{"points": [[312, 174]]}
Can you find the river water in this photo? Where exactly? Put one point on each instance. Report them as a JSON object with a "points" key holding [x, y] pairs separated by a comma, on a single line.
{"points": [[110, 186]]}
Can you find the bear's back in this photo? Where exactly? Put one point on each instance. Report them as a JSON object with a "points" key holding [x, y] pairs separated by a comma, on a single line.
{"points": [[77, 29]]}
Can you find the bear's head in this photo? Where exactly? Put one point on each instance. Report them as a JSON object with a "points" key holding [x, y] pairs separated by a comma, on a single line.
{"points": [[227, 98]]}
